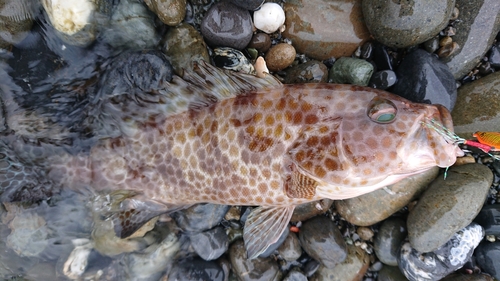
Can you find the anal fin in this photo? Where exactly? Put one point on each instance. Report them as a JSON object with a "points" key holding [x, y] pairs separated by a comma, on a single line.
{"points": [[130, 210], [264, 227]]}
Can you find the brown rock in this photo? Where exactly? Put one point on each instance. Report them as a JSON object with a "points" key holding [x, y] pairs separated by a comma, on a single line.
{"points": [[352, 269], [280, 56], [324, 29]]}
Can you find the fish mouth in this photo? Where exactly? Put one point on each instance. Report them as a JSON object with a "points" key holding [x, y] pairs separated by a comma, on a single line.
{"points": [[439, 122]]}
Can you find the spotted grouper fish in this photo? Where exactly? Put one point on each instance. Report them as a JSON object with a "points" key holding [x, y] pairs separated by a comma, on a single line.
{"points": [[235, 139]]}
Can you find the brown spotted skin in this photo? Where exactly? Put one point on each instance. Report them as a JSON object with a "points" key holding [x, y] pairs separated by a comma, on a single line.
{"points": [[282, 147]]}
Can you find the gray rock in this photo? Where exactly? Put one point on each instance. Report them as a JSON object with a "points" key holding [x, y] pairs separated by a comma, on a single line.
{"points": [[383, 79], [419, 266], [487, 256], [351, 71], [210, 244], [468, 277], [183, 44], [200, 217], [352, 268], [477, 25], [310, 72], [273, 247], [16, 20], [322, 240], [229, 58], [309, 210], [252, 270], [478, 106], [249, 4], [227, 25], [401, 24], [290, 250], [391, 273], [386, 244], [295, 275], [196, 269], [131, 27], [378, 205], [448, 205], [424, 78], [489, 219]]}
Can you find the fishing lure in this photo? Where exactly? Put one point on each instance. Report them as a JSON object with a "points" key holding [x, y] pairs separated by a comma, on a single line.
{"points": [[489, 138]]}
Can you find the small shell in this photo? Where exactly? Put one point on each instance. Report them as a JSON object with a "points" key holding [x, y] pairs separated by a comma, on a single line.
{"points": [[261, 67]]}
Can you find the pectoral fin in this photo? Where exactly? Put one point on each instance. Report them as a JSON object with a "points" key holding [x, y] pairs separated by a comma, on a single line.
{"points": [[299, 185], [264, 227]]}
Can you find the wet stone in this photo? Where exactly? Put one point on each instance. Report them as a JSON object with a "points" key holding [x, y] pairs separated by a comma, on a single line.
{"points": [[227, 25], [310, 72], [386, 244], [322, 240], [381, 57], [248, 4], [373, 207], [437, 264], [290, 250], [401, 24], [468, 277], [131, 27], [448, 206], [476, 27], [353, 268], [390, 273], [252, 270], [487, 256], [494, 57], [351, 71], [489, 219], [261, 42], [295, 275], [170, 12], [424, 78], [432, 44], [364, 233], [324, 29], [308, 210], [280, 56], [478, 106], [200, 217], [183, 44], [16, 21], [210, 244], [383, 79], [196, 269]]}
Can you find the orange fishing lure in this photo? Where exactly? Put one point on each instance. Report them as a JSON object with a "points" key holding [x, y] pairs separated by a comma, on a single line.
{"points": [[489, 138]]}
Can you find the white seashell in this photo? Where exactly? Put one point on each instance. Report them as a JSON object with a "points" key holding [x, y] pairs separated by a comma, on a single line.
{"points": [[269, 18], [261, 67]]}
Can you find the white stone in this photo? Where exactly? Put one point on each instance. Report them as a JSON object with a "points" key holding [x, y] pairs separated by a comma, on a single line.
{"points": [[69, 16], [269, 18]]}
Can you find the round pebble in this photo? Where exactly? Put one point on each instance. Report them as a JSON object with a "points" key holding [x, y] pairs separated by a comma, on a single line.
{"points": [[170, 12], [232, 59], [383, 79], [448, 50], [252, 270], [424, 78], [309, 210], [352, 268], [437, 264], [280, 56], [386, 244], [401, 24], [290, 250], [260, 41], [310, 72], [364, 232], [322, 240], [210, 244], [488, 218], [390, 273], [227, 25], [351, 71], [249, 4], [269, 18], [200, 217], [196, 269], [487, 256]]}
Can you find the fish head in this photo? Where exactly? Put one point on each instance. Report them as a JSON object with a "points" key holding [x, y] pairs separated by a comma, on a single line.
{"points": [[368, 139]]}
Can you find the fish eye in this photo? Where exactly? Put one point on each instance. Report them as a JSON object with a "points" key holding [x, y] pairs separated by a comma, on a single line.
{"points": [[382, 111]]}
